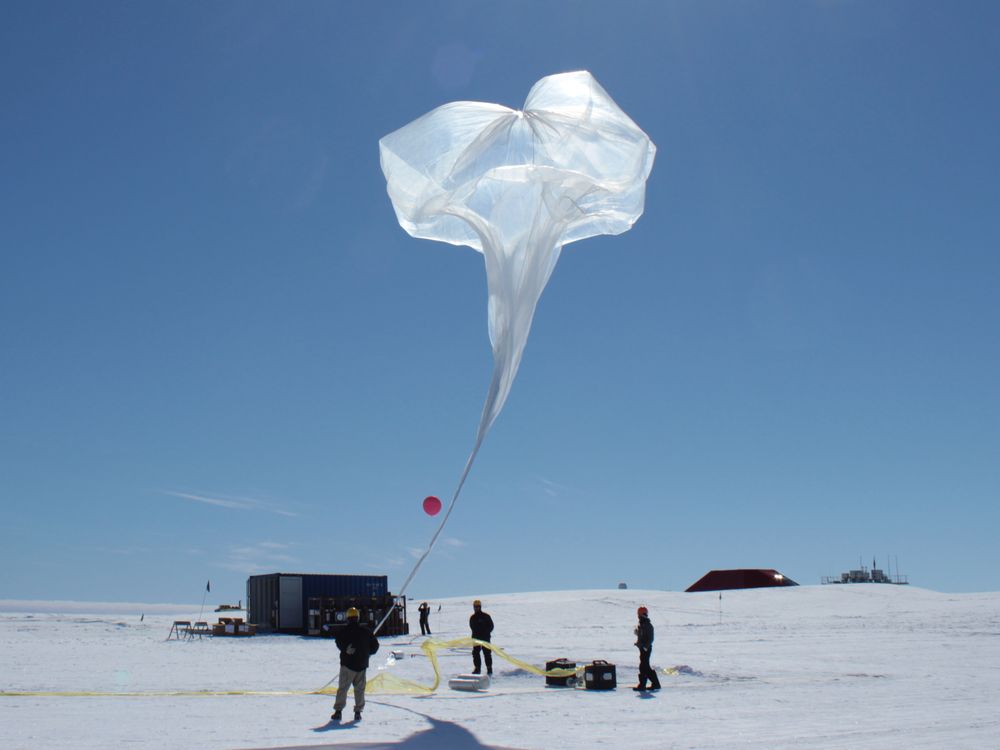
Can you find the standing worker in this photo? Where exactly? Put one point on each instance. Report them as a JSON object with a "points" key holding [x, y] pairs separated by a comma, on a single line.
{"points": [[425, 613], [356, 644], [481, 625], [644, 640]]}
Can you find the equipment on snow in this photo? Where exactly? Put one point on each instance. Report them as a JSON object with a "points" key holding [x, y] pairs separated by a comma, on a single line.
{"points": [[469, 682], [568, 680], [600, 675]]}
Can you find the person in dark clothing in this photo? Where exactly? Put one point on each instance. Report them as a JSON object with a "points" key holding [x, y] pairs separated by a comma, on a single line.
{"points": [[425, 613], [481, 625], [356, 644], [644, 640]]}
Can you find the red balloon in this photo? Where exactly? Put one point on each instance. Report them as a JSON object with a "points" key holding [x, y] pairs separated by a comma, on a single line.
{"points": [[432, 506]]}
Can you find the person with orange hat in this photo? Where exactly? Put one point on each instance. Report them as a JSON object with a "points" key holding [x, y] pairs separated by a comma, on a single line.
{"points": [[356, 644], [481, 625], [644, 640]]}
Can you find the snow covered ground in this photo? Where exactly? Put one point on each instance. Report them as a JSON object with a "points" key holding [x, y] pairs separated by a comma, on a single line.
{"points": [[859, 666]]}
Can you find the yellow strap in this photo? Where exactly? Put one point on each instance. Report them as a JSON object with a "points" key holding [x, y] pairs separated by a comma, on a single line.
{"points": [[384, 682], [145, 693], [389, 684]]}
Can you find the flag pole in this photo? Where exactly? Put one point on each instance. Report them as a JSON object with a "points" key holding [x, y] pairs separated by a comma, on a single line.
{"points": [[208, 587]]}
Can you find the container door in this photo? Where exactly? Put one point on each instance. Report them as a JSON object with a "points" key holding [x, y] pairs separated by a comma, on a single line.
{"points": [[290, 598]]}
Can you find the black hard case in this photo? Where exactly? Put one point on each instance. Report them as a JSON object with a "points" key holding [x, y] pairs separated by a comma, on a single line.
{"points": [[600, 676], [560, 664]]}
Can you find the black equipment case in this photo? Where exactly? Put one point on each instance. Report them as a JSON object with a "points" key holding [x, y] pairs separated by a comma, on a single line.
{"points": [[600, 676], [567, 681]]}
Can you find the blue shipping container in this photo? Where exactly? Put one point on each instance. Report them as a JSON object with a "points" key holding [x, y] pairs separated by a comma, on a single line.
{"points": [[279, 601]]}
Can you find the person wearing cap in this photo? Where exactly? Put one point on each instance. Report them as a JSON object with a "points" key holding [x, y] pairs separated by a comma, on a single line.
{"points": [[481, 625], [644, 640], [425, 613], [356, 644]]}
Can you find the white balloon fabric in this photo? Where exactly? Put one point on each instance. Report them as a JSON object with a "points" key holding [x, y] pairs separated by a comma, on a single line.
{"points": [[518, 185]]}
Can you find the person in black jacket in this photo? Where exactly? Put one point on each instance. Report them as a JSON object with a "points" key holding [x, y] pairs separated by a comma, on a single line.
{"points": [[425, 613], [481, 625], [356, 644], [644, 640]]}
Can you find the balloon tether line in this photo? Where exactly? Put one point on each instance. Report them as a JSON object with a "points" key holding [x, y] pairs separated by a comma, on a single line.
{"points": [[440, 528], [489, 415], [416, 567]]}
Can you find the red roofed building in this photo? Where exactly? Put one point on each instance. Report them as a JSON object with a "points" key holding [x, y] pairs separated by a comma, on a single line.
{"points": [[743, 578]]}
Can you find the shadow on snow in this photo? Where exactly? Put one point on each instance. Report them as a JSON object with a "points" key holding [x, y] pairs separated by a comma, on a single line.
{"points": [[442, 735]]}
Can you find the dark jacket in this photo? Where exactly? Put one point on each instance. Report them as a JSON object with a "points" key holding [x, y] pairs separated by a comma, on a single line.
{"points": [[481, 625], [356, 644], [644, 634], [425, 611]]}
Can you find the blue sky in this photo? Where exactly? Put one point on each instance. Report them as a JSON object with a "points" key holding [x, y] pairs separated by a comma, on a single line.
{"points": [[220, 354]]}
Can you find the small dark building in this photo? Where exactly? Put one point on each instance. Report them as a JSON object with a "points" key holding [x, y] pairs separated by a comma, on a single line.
{"points": [[317, 603], [742, 578]]}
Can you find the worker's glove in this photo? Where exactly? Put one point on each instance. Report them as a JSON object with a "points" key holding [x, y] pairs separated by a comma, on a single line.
{"points": [[350, 649]]}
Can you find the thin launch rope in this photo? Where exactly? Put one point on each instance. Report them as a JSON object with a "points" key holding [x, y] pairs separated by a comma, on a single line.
{"points": [[440, 528]]}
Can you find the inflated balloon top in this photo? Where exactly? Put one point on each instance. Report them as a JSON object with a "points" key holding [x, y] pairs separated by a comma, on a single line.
{"points": [[432, 505], [517, 185]]}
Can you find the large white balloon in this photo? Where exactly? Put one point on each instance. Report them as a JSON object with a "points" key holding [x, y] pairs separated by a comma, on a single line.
{"points": [[518, 185]]}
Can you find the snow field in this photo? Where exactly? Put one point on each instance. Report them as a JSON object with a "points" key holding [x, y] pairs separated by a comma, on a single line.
{"points": [[861, 666]]}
